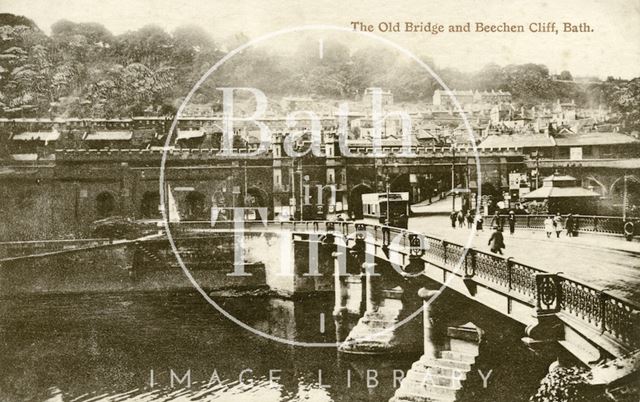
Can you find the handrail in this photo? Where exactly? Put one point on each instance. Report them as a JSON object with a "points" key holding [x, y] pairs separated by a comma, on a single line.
{"points": [[550, 292], [582, 223]]}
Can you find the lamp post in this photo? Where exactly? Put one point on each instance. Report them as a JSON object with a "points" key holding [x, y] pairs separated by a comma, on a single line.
{"points": [[245, 202], [624, 198], [537, 168], [375, 171], [299, 171], [388, 191], [453, 177], [302, 179]]}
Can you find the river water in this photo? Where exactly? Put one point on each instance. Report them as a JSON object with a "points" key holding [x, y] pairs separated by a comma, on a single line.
{"points": [[125, 346]]}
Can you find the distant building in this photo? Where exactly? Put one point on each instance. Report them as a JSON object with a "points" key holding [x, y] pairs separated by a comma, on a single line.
{"points": [[468, 97], [386, 96], [492, 97], [289, 103], [444, 98], [501, 112]]}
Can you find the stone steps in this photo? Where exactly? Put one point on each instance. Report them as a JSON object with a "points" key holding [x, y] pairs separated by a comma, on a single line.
{"points": [[439, 371], [453, 380], [436, 378], [455, 364], [459, 356]]}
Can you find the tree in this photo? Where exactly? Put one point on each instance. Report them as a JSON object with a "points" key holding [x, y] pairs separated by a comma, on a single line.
{"points": [[565, 76]]}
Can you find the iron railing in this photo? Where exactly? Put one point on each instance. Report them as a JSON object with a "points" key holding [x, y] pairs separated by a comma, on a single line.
{"points": [[582, 223], [547, 292]]}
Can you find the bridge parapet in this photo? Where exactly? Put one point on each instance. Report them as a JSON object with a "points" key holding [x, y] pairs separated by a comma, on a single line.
{"points": [[612, 317], [581, 223]]}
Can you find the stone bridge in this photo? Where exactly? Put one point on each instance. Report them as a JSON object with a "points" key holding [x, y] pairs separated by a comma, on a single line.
{"points": [[375, 272]]}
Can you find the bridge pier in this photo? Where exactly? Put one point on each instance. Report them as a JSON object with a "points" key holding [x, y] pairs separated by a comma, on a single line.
{"points": [[440, 374], [341, 290], [387, 305]]}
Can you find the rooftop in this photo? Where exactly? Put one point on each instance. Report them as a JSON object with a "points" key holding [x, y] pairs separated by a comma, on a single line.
{"points": [[517, 141]]}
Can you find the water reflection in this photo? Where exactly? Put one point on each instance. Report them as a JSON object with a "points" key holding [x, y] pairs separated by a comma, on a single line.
{"points": [[109, 347], [81, 347]]}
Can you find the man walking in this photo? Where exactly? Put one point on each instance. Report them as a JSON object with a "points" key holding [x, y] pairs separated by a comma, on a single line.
{"points": [[496, 241], [569, 225], [512, 222], [460, 219]]}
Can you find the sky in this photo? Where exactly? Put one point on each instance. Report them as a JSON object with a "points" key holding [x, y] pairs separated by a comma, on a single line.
{"points": [[612, 49]]}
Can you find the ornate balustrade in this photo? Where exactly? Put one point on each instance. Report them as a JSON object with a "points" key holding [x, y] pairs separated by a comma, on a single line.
{"points": [[546, 292], [583, 223]]}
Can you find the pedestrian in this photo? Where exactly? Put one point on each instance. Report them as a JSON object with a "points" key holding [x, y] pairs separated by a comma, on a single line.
{"points": [[479, 222], [453, 219], [512, 222], [496, 241], [460, 219], [548, 226], [557, 223], [569, 225], [469, 219], [496, 221]]}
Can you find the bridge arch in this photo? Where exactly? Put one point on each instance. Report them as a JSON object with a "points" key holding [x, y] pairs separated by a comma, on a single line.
{"points": [[616, 192], [355, 199], [105, 204], [620, 180], [195, 206], [256, 197], [149, 205]]}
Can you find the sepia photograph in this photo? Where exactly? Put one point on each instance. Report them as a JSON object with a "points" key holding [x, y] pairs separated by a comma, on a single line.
{"points": [[265, 201]]}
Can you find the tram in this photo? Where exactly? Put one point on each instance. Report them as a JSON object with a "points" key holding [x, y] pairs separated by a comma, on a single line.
{"points": [[376, 205]]}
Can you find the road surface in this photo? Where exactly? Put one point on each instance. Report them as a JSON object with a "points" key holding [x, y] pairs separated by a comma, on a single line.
{"points": [[600, 260]]}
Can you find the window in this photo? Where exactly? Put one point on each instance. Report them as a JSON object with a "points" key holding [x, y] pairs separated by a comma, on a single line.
{"points": [[277, 177]]}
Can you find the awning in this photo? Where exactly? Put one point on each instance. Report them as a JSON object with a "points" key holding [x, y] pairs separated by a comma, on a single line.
{"points": [[108, 136], [45, 136], [560, 192], [186, 134]]}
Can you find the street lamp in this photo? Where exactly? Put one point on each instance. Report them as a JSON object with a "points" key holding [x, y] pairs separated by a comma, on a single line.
{"points": [[453, 176], [299, 171], [388, 190], [305, 178]]}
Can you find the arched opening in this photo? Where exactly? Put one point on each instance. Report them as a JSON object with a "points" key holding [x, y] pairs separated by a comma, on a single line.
{"points": [[195, 206], [618, 200], [400, 184], [149, 205], [330, 201], [105, 204], [490, 190], [355, 199], [256, 198]]}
